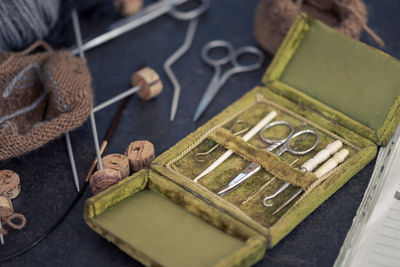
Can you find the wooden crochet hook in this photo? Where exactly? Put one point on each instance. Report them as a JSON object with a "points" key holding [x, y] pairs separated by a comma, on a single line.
{"points": [[267, 119]]}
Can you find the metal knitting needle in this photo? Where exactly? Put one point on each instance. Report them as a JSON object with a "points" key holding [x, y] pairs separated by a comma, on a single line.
{"points": [[268, 118], [172, 59], [126, 96], [78, 36], [148, 14], [1, 235]]}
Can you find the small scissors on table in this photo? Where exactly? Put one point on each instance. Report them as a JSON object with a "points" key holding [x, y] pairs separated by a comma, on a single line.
{"points": [[218, 79], [284, 145]]}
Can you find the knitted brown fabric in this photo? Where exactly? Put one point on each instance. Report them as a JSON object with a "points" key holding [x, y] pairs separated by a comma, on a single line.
{"points": [[62, 80], [273, 18]]}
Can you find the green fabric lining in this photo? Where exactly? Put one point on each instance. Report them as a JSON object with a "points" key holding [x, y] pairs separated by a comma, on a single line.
{"points": [[267, 160], [350, 78], [166, 232]]}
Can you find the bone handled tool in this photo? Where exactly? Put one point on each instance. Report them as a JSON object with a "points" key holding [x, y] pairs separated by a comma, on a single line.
{"points": [[324, 154], [283, 145], [268, 118]]}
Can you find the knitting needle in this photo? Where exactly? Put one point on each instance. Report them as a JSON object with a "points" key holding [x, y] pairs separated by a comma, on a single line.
{"points": [[338, 158], [1, 235], [78, 36], [174, 57], [250, 197], [126, 96], [268, 118]]}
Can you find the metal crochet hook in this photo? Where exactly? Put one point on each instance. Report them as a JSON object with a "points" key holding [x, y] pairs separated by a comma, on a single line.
{"points": [[219, 79], [284, 145], [198, 156], [148, 14]]}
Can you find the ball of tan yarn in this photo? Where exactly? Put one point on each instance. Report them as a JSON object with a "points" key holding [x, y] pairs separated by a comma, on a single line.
{"points": [[140, 154], [273, 18], [103, 179], [116, 162]]}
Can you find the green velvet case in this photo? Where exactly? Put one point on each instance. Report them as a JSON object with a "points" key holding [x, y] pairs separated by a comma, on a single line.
{"points": [[319, 78]]}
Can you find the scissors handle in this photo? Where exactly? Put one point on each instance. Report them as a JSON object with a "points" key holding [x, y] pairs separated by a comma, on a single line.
{"points": [[287, 146], [191, 14], [250, 50], [221, 44]]}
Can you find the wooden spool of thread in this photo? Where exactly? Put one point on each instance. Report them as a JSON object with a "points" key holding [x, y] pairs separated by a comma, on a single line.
{"points": [[7, 215], [127, 7], [116, 162], [149, 81], [140, 154], [9, 184], [103, 179]]}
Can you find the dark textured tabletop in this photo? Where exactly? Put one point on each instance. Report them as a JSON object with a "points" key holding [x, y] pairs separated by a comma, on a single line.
{"points": [[46, 178]]}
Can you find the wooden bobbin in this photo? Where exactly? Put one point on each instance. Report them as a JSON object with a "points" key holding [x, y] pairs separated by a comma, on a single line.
{"points": [[127, 7], [103, 179], [116, 162], [9, 184], [150, 82], [140, 154]]}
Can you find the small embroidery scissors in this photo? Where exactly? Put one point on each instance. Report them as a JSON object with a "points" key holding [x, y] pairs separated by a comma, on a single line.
{"points": [[284, 145], [218, 79]]}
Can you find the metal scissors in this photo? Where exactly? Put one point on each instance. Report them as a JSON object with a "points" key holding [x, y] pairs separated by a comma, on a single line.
{"points": [[218, 79], [285, 146]]}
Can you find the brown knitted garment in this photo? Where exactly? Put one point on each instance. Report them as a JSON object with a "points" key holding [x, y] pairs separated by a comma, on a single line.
{"points": [[273, 19], [57, 87]]}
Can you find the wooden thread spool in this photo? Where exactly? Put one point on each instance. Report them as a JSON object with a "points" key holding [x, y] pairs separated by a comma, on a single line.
{"points": [[9, 184], [127, 7], [7, 215], [116, 162], [338, 158], [149, 81], [321, 156], [103, 179], [140, 155]]}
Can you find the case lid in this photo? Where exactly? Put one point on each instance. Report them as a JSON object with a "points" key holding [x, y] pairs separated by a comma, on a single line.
{"points": [[360, 83]]}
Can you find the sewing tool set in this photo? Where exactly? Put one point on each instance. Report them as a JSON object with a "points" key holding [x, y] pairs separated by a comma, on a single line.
{"points": [[282, 145], [272, 148]]}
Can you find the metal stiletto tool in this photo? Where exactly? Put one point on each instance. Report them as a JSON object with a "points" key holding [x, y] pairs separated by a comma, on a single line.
{"points": [[149, 13], [310, 165], [284, 145], [246, 138], [218, 79]]}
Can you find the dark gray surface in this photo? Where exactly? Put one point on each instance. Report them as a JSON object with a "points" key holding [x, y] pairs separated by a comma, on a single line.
{"points": [[46, 179]]}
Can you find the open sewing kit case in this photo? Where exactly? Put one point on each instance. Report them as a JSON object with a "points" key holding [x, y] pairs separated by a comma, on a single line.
{"points": [[319, 79]]}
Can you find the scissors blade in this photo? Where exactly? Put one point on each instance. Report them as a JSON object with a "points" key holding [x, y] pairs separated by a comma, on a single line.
{"points": [[208, 96], [250, 170]]}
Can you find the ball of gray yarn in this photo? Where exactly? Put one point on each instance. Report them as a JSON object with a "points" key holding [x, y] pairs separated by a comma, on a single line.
{"points": [[25, 21]]}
